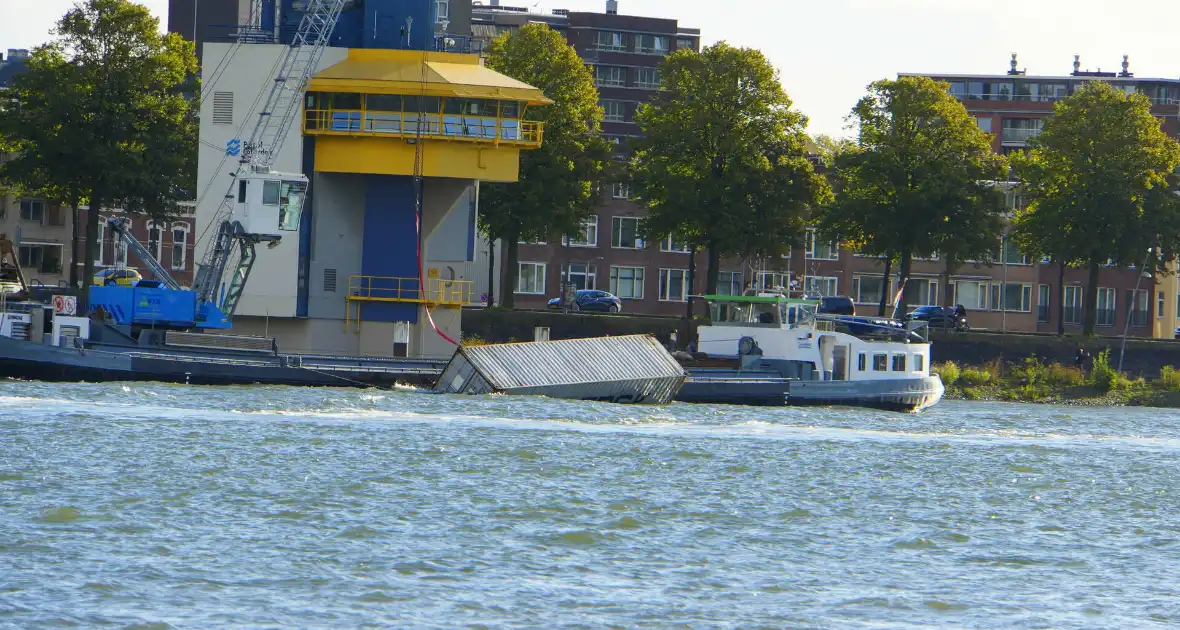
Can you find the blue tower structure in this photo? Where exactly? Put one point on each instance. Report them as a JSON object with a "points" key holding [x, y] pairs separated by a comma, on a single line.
{"points": [[385, 24]]}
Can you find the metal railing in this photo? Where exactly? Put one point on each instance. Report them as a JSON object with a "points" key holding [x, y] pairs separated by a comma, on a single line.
{"points": [[359, 122], [1014, 134], [437, 292]]}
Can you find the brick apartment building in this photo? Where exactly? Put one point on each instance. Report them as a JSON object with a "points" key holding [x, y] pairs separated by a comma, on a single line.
{"points": [[624, 52]]}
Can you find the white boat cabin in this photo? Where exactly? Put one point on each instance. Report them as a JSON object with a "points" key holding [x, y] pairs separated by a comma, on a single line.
{"points": [[826, 347]]}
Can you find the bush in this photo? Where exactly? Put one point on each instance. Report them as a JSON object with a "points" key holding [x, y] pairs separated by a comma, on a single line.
{"points": [[1102, 375], [1170, 378], [1031, 372], [473, 340], [1062, 376], [948, 372], [971, 377]]}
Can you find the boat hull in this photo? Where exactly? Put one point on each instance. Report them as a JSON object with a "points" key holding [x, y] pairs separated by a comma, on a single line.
{"points": [[906, 395], [28, 360]]}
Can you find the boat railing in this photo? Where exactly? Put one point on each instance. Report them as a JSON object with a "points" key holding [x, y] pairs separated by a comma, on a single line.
{"points": [[873, 328]]}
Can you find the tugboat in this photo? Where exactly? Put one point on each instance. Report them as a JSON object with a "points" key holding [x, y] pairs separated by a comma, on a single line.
{"points": [[769, 349]]}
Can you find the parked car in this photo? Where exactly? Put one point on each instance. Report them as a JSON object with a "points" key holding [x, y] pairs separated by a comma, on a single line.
{"points": [[591, 300], [949, 317], [121, 277], [837, 305]]}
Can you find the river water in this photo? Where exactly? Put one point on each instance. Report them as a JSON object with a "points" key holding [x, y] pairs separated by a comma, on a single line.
{"points": [[156, 506]]}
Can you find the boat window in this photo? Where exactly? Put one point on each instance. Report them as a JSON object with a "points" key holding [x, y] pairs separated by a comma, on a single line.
{"points": [[729, 312], [291, 204], [861, 362], [919, 363], [766, 313], [270, 192], [880, 363], [899, 363]]}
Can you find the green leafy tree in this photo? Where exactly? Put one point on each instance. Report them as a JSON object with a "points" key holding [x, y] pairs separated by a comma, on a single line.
{"points": [[101, 116], [916, 181], [723, 160], [1096, 186], [555, 192]]}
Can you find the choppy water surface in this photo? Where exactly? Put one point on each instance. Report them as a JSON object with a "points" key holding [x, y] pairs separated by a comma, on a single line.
{"points": [[158, 505]]}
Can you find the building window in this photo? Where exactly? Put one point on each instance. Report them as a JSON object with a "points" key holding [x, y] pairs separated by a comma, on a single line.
{"points": [[614, 111], [607, 40], [223, 108], [899, 363], [1020, 130], [817, 250], [972, 294], [1014, 296], [627, 282], [1043, 303], [820, 285], [612, 76], [647, 78], [1010, 254], [880, 362], [442, 10], [100, 251], [772, 280], [530, 278], [1073, 305], [44, 257], [861, 362], [1159, 305], [620, 191], [729, 283], [920, 291], [653, 44], [155, 243], [1106, 306], [625, 233], [32, 210], [673, 285], [683, 44], [670, 245], [984, 123], [581, 276], [179, 245], [869, 290], [1140, 312], [588, 236]]}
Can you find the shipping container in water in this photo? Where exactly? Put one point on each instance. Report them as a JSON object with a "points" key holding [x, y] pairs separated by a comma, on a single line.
{"points": [[630, 369]]}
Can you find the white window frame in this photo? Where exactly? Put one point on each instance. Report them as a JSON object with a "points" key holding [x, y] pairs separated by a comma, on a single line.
{"points": [[672, 247], [617, 40], [616, 229], [832, 282], [810, 249], [588, 236], [638, 279], [734, 281], [442, 10], [654, 49], [617, 116], [1077, 303], [857, 294], [619, 190], [666, 285], [931, 296], [184, 228], [610, 76], [648, 78], [778, 279], [999, 298], [539, 271], [589, 273], [982, 286], [101, 240], [1112, 297], [158, 250]]}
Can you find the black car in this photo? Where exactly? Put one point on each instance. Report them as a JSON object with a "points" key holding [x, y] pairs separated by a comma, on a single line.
{"points": [[837, 305], [948, 317], [591, 300]]}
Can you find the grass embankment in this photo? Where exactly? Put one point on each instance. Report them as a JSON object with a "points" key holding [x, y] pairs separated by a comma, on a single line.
{"points": [[1034, 381]]}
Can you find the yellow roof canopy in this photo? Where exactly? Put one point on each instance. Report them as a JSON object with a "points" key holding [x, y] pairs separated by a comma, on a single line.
{"points": [[372, 71]]}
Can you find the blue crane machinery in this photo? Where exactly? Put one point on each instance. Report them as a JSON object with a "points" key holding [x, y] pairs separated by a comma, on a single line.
{"points": [[259, 205]]}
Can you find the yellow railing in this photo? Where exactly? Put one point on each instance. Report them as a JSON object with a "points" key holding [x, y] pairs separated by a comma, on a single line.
{"points": [[457, 127], [439, 292]]}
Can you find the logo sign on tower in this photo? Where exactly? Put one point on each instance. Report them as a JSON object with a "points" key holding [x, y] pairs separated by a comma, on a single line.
{"points": [[233, 147]]}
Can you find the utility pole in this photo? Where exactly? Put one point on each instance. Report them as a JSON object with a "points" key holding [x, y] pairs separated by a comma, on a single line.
{"points": [[1131, 307]]}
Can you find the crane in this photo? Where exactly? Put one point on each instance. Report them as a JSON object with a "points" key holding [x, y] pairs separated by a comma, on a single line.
{"points": [[261, 203]]}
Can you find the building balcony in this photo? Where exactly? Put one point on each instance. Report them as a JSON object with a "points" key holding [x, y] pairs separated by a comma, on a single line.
{"points": [[522, 134], [1012, 135]]}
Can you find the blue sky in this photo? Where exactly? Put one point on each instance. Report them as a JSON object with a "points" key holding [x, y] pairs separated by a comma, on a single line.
{"points": [[828, 51]]}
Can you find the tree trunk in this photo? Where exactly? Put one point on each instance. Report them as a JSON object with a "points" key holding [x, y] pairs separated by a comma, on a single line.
{"points": [[885, 295], [74, 242], [692, 280], [491, 273], [1060, 299], [903, 274], [509, 271], [714, 268], [1091, 317], [948, 290], [90, 252]]}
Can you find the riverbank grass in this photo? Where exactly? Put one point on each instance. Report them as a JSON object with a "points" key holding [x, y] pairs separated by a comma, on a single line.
{"points": [[1032, 380]]}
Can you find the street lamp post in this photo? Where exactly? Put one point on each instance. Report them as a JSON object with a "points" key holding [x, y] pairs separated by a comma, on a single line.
{"points": [[1131, 307]]}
